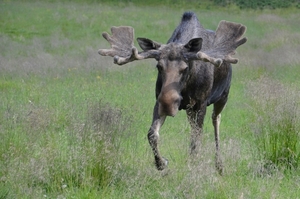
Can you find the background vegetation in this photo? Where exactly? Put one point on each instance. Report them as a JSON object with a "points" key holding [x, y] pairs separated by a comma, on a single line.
{"points": [[73, 125], [259, 4]]}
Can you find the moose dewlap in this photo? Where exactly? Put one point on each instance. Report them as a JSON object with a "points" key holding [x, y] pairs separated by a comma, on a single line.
{"points": [[194, 71]]}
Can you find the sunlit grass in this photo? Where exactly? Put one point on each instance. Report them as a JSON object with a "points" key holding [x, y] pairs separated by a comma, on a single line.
{"points": [[73, 125], [277, 124]]}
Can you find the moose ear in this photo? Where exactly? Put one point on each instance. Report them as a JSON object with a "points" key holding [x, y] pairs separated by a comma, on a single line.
{"points": [[148, 44], [194, 45]]}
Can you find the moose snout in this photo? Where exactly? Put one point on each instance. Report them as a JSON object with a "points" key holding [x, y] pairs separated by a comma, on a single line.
{"points": [[169, 103]]}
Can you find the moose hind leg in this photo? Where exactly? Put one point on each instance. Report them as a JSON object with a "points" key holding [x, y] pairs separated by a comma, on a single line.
{"points": [[216, 120], [153, 135]]}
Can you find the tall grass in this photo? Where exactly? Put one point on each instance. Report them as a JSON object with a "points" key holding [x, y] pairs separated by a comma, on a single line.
{"points": [[73, 125], [277, 123], [55, 158]]}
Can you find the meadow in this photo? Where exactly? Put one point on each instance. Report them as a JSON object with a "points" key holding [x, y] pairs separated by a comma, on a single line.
{"points": [[74, 125]]}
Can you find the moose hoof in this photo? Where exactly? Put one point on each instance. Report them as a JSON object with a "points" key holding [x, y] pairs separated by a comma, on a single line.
{"points": [[220, 167], [161, 164]]}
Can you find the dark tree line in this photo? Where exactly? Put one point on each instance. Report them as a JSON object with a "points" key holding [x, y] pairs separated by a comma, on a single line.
{"points": [[243, 4], [260, 4]]}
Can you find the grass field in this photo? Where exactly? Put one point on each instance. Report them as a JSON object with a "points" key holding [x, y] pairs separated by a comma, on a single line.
{"points": [[73, 125]]}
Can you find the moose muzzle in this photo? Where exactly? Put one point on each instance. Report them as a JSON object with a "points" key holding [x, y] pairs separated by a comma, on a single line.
{"points": [[169, 103]]}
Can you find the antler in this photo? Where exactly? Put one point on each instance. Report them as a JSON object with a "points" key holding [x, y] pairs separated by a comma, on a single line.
{"points": [[122, 48], [227, 39]]}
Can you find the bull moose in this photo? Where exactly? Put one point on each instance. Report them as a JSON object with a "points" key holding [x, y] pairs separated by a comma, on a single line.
{"points": [[194, 71]]}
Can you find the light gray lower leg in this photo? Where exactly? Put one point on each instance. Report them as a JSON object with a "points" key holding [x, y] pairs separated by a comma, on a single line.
{"points": [[216, 119], [153, 135], [196, 121], [196, 134]]}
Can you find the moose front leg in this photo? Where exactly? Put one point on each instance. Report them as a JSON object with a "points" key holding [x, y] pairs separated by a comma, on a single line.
{"points": [[153, 135], [196, 118]]}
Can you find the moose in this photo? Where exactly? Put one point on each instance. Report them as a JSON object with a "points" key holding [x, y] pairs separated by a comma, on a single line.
{"points": [[194, 71]]}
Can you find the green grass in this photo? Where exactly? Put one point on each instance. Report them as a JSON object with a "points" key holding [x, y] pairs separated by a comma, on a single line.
{"points": [[276, 129], [73, 125]]}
